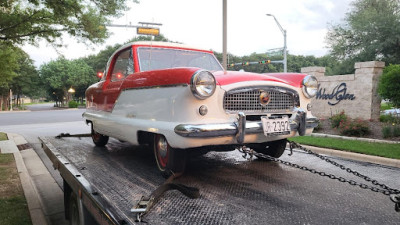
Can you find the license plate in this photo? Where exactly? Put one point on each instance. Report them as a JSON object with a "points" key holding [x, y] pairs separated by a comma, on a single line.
{"points": [[274, 126]]}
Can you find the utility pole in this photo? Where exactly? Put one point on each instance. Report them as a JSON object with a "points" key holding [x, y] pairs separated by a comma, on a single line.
{"points": [[224, 34], [284, 43]]}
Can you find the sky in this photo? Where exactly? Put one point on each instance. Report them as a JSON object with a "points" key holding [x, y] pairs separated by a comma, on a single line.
{"points": [[199, 24]]}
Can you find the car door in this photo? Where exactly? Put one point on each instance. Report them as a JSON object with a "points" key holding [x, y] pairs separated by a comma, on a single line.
{"points": [[121, 67]]}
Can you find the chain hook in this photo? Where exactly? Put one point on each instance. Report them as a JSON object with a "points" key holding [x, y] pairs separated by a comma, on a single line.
{"points": [[139, 217], [247, 152], [396, 199]]}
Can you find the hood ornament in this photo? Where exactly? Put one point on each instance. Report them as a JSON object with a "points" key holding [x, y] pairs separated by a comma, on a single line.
{"points": [[264, 98]]}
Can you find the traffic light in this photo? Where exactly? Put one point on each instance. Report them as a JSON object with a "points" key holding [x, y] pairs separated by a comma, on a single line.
{"points": [[100, 74], [264, 62]]}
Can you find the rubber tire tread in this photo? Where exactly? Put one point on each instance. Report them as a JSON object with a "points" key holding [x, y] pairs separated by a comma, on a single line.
{"points": [[103, 140], [275, 148]]}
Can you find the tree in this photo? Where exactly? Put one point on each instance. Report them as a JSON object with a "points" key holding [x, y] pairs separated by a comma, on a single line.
{"points": [[295, 62], [24, 21], [62, 74], [27, 80], [371, 31], [389, 84], [8, 66]]}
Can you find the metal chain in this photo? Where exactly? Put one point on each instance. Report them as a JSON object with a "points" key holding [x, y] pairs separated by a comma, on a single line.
{"points": [[387, 190], [384, 189]]}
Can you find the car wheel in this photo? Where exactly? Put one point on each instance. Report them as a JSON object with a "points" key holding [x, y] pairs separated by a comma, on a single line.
{"points": [[169, 160], [272, 148], [99, 139]]}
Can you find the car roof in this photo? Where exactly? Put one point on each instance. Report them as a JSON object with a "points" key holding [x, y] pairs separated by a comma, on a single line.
{"points": [[162, 44]]}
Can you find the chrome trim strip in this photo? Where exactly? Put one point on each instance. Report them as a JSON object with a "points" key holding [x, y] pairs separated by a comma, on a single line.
{"points": [[157, 86]]}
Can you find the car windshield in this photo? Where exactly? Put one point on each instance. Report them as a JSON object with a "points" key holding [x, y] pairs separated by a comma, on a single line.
{"points": [[164, 58]]}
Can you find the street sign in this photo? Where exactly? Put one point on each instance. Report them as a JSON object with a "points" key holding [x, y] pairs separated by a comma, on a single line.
{"points": [[275, 52]]}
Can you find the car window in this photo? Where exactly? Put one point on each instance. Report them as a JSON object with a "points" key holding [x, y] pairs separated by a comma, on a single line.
{"points": [[159, 58], [123, 65]]}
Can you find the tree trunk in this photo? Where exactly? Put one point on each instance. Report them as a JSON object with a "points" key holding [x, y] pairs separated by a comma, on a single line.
{"points": [[5, 103], [17, 103]]}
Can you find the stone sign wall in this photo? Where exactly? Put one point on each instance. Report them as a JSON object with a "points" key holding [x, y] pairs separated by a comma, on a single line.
{"points": [[355, 94]]}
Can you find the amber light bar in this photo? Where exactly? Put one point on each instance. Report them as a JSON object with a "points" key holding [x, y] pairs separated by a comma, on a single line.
{"points": [[148, 31]]}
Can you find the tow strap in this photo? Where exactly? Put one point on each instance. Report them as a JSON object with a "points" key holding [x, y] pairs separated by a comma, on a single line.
{"points": [[146, 203]]}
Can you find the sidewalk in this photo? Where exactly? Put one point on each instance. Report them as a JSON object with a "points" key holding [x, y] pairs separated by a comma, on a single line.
{"points": [[39, 186]]}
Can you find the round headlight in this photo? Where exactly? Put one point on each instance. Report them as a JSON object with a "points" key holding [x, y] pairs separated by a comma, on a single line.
{"points": [[310, 86], [202, 84]]}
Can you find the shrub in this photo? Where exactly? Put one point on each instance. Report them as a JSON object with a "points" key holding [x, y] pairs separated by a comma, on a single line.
{"points": [[72, 104], [386, 131], [357, 128], [337, 119], [385, 106], [318, 127], [391, 131], [396, 131], [389, 118]]}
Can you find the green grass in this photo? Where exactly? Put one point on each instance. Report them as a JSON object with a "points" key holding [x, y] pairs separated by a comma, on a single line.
{"points": [[3, 136], [6, 158], [376, 149], [386, 105], [14, 211], [13, 206]]}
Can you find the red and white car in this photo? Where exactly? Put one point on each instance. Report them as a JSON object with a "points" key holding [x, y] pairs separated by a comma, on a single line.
{"points": [[178, 98]]}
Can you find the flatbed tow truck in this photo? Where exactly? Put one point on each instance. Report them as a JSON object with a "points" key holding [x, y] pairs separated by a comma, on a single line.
{"points": [[99, 188], [114, 184]]}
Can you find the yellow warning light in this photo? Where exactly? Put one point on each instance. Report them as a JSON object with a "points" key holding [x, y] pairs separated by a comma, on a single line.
{"points": [[148, 31]]}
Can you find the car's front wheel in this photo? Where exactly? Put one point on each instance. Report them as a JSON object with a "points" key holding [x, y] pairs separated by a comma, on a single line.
{"points": [[272, 148], [99, 139], [169, 160]]}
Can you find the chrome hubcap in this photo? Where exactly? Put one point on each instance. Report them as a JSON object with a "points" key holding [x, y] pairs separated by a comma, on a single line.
{"points": [[162, 147]]}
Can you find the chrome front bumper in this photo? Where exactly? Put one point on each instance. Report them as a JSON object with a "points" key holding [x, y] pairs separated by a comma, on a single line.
{"points": [[298, 122]]}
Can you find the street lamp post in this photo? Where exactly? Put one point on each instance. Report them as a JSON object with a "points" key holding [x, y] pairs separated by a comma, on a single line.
{"points": [[71, 91], [284, 43]]}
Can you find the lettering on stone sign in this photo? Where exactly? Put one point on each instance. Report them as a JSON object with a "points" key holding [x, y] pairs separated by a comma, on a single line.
{"points": [[338, 94]]}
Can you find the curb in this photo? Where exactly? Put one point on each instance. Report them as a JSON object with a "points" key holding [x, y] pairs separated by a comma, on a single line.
{"points": [[15, 111], [33, 200], [354, 138], [355, 156]]}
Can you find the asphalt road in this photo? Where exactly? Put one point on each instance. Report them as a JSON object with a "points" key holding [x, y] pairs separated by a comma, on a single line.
{"points": [[233, 190]]}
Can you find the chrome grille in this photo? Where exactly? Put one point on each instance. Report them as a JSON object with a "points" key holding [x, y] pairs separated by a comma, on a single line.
{"points": [[247, 100]]}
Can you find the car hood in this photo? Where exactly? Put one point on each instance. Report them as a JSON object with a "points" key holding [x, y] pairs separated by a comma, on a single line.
{"points": [[230, 77]]}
